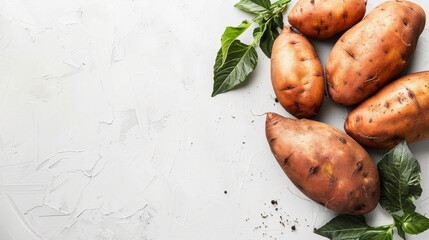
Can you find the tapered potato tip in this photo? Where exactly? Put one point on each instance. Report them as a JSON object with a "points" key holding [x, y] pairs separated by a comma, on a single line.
{"points": [[271, 117], [287, 29]]}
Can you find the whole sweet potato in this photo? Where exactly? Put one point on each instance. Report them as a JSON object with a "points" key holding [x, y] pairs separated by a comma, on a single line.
{"points": [[326, 164], [372, 52], [297, 74], [322, 19], [398, 111]]}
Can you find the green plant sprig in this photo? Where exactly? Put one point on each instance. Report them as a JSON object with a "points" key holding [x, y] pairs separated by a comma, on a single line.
{"points": [[236, 60]]}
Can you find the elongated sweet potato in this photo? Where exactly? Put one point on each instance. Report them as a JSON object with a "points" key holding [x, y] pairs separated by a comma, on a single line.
{"points": [[372, 52], [323, 19], [398, 111], [326, 164], [297, 74]]}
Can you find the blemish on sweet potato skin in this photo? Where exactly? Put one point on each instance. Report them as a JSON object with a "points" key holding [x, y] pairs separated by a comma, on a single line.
{"points": [[314, 170], [358, 168], [325, 164], [407, 117]]}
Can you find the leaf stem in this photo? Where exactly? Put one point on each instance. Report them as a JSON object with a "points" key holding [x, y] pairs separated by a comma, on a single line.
{"points": [[268, 16]]}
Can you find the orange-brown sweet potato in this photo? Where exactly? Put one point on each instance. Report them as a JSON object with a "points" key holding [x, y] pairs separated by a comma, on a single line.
{"points": [[398, 111], [326, 164], [373, 51], [297, 74], [323, 19]]}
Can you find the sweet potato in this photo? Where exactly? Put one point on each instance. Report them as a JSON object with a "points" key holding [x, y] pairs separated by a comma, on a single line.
{"points": [[323, 19], [372, 52], [326, 164], [297, 74], [398, 111]]}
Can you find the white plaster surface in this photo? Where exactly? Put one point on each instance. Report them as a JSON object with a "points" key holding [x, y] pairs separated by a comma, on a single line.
{"points": [[108, 130]]}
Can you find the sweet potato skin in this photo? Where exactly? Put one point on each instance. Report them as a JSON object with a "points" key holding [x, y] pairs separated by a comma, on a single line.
{"points": [[374, 51], [398, 111], [326, 164], [297, 74], [322, 19]]}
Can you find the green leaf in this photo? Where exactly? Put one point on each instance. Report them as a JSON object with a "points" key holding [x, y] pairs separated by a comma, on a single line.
{"points": [[398, 224], [378, 233], [235, 60], [414, 223], [400, 180], [280, 4], [241, 60], [278, 21], [230, 34], [258, 33], [268, 38], [251, 7], [401, 232], [344, 227], [263, 3]]}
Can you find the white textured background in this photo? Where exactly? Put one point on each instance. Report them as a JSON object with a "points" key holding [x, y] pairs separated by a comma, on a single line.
{"points": [[108, 130]]}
